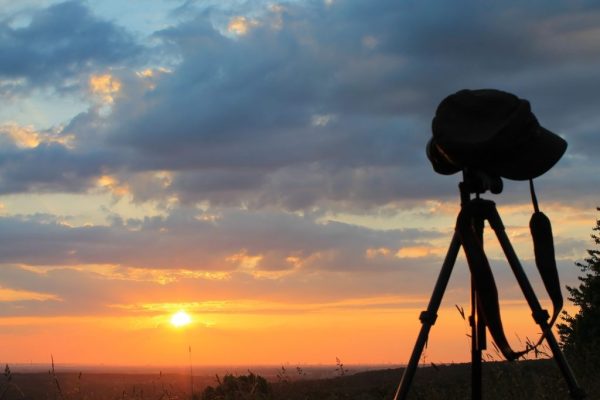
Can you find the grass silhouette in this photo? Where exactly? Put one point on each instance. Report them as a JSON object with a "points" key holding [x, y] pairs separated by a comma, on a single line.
{"points": [[526, 380]]}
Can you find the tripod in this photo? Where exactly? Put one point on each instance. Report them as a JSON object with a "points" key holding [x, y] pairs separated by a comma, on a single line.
{"points": [[469, 235]]}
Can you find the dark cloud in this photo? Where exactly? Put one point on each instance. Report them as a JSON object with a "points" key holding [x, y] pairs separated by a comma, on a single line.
{"points": [[335, 106], [49, 167], [200, 241], [319, 106], [59, 44]]}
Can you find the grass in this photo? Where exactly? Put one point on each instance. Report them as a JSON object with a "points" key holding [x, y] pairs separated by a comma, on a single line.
{"points": [[527, 380]]}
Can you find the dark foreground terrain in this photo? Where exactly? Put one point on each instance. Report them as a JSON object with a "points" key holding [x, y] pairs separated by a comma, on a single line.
{"points": [[528, 380]]}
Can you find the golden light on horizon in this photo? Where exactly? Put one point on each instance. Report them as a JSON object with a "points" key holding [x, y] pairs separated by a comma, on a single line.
{"points": [[180, 318]]}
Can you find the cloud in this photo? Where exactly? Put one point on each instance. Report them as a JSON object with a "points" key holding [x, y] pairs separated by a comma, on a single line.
{"points": [[49, 166], [28, 137], [11, 295], [105, 86], [59, 45], [196, 256], [306, 115], [329, 108], [240, 25], [280, 148], [197, 240], [116, 291]]}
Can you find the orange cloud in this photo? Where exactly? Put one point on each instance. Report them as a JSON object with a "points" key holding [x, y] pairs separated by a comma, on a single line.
{"points": [[418, 252], [240, 25], [111, 183], [380, 251], [119, 272], [105, 86], [10, 295], [152, 72], [28, 137], [243, 260], [149, 75]]}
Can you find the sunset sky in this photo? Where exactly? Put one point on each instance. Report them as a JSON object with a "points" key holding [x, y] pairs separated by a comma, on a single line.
{"points": [[261, 165]]}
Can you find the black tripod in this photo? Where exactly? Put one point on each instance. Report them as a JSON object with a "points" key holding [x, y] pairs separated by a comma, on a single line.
{"points": [[469, 235]]}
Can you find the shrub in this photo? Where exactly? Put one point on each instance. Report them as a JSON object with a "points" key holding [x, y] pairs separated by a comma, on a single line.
{"points": [[244, 387]]}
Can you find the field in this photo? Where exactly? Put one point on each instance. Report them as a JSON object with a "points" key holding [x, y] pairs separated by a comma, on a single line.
{"points": [[528, 380]]}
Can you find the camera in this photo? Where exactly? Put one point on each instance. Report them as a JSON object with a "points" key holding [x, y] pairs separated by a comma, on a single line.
{"points": [[494, 132]]}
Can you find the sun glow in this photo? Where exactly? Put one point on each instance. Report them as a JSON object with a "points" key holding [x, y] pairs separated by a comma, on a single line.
{"points": [[180, 318]]}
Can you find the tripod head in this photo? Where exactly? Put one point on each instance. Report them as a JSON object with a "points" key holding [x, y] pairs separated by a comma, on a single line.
{"points": [[476, 181]]}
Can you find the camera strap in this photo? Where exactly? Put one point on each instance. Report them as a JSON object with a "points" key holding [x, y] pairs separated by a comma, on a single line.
{"points": [[483, 278], [543, 247]]}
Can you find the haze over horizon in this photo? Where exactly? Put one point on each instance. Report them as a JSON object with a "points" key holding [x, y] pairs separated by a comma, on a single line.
{"points": [[261, 165]]}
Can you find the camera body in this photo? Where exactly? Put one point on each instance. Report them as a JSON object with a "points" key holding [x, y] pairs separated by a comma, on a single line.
{"points": [[494, 132]]}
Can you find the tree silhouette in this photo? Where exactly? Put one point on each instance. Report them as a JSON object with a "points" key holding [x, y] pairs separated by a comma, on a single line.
{"points": [[580, 333]]}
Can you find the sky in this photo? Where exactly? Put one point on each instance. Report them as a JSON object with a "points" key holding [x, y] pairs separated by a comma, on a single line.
{"points": [[261, 165]]}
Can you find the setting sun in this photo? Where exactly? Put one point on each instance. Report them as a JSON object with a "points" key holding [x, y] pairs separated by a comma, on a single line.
{"points": [[180, 318]]}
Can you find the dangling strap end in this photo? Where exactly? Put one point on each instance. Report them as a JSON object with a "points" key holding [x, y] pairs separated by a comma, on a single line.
{"points": [[533, 196]]}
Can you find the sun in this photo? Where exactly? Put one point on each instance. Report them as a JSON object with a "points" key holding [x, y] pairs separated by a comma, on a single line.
{"points": [[180, 318]]}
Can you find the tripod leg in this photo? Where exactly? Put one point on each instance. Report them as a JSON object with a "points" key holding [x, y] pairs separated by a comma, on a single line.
{"points": [[428, 317], [478, 344], [539, 315], [477, 322]]}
